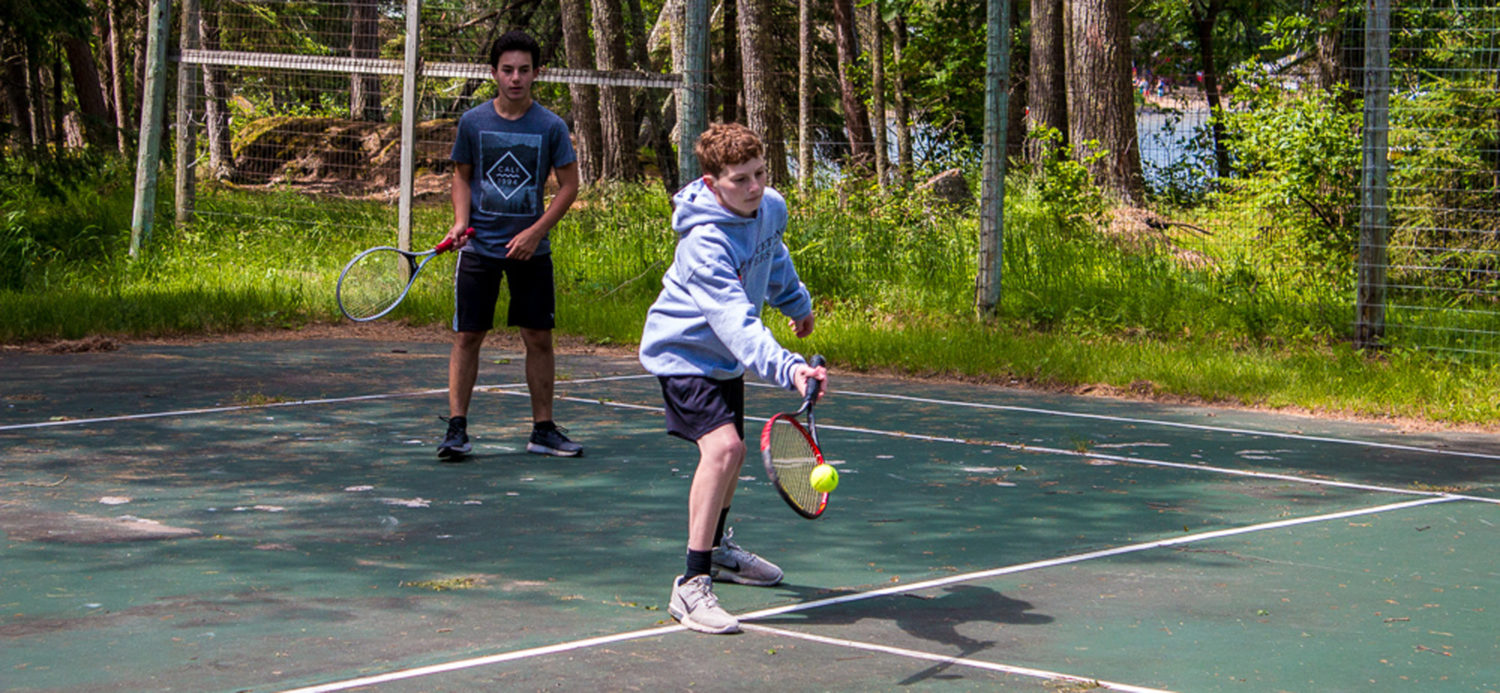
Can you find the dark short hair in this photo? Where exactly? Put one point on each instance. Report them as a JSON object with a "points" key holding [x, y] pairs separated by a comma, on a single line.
{"points": [[515, 41]]}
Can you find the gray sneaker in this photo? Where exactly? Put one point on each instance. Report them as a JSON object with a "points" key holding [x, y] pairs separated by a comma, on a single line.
{"points": [[695, 606], [734, 564], [551, 441]]}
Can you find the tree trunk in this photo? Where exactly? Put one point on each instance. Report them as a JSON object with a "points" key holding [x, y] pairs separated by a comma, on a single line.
{"points": [[1101, 102], [1046, 88], [100, 38], [856, 120], [1328, 47], [117, 79], [364, 42], [732, 83], [905, 168], [215, 96], [1016, 86], [762, 99], [142, 10], [16, 101], [1205, 15], [616, 117], [877, 93], [805, 161], [96, 121], [649, 102], [59, 109], [588, 139], [38, 97]]}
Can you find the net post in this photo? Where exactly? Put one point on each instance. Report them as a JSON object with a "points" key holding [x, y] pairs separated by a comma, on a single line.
{"points": [[692, 117], [992, 188], [410, 73], [187, 133], [148, 151], [1374, 214]]}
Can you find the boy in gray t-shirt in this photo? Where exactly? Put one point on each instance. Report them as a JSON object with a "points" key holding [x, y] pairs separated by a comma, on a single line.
{"points": [[504, 151]]}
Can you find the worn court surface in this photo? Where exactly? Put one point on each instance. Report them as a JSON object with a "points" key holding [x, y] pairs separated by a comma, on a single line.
{"points": [[269, 516]]}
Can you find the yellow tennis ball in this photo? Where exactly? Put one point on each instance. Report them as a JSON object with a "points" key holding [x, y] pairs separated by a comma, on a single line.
{"points": [[825, 478]]}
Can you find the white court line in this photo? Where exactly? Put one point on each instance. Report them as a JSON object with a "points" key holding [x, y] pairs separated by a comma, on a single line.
{"points": [[962, 661], [860, 596], [1042, 450], [294, 403], [481, 661], [1091, 555], [1176, 424]]}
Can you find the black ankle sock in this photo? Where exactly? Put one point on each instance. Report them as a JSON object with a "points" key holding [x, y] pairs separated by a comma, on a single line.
{"points": [[459, 421], [719, 533], [543, 426], [698, 563]]}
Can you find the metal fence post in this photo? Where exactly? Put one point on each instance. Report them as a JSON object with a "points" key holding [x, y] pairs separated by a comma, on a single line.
{"points": [[692, 116], [1374, 214], [992, 189], [410, 73], [148, 150], [187, 134]]}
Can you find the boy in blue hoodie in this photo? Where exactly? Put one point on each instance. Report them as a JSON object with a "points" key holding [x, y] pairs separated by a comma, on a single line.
{"points": [[701, 335]]}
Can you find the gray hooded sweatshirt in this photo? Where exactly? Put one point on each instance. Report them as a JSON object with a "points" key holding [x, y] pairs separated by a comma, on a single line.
{"points": [[706, 321]]}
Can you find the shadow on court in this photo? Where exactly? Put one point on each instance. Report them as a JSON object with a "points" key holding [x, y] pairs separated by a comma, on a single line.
{"points": [[264, 516]]}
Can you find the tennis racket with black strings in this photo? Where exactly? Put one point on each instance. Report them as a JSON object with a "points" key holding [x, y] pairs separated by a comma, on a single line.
{"points": [[791, 453], [377, 280]]}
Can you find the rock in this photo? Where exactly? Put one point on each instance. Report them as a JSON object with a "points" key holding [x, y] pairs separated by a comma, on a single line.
{"points": [[949, 187]]}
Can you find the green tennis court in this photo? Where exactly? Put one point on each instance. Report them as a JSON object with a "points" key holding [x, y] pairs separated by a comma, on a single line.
{"points": [[269, 516]]}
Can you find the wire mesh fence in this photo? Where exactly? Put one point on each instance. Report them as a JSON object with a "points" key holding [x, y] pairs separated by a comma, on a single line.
{"points": [[308, 95], [1443, 272]]}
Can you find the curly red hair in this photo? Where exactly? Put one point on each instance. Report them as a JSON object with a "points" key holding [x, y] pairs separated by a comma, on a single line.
{"points": [[727, 144]]}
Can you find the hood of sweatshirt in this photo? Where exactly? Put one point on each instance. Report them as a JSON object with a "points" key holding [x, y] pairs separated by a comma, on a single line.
{"points": [[696, 205]]}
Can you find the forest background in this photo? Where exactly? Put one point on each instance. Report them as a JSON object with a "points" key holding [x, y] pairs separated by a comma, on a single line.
{"points": [[1181, 211]]}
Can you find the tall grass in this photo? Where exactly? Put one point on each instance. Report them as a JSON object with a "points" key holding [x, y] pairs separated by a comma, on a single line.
{"points": [[893, 278]]}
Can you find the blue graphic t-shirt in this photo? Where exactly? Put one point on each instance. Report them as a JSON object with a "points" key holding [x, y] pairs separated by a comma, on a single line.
{"points": [[511, 160]]}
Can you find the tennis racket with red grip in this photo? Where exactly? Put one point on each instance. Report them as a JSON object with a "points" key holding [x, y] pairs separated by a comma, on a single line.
{"points": [[378, 279], [790, 452]]}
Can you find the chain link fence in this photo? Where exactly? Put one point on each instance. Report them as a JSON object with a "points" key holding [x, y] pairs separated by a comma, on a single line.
{"points": [[320, 97]]}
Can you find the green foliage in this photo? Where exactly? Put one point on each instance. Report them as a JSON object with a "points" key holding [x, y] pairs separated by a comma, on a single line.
{"points": [[1065, 187], [59, 213], [1297, 158], [1445, 154], [945, 61], [885, 256]]}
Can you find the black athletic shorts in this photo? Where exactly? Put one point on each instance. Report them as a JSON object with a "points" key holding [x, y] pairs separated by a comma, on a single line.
{"points": [[476, 290], [697, 405]]}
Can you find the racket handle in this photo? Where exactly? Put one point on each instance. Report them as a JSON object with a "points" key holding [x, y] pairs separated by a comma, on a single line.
{"points": [[813, 386], [447, 243]]}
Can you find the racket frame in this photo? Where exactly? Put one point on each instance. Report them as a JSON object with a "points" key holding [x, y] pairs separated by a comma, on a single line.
{"points": [[810, 432], [413, 266]]}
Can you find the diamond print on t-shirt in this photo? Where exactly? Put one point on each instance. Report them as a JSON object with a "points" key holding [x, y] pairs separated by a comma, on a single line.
{"points": [[508, 176]]}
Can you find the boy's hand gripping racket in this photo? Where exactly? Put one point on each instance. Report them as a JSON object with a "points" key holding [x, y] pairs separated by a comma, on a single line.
{"points": [[791, 451], [376, 280]]}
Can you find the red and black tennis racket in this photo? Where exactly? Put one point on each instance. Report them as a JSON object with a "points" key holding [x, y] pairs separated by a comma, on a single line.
{"points": [[790, 452], [377, 280]]}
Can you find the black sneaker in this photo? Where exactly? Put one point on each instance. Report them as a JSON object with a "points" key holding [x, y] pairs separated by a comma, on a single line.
{"points": [[549, 440], [456, 443]]}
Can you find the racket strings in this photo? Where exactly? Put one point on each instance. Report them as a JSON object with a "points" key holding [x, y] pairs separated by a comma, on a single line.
{"points": [[373, 282], [793, 458]]}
